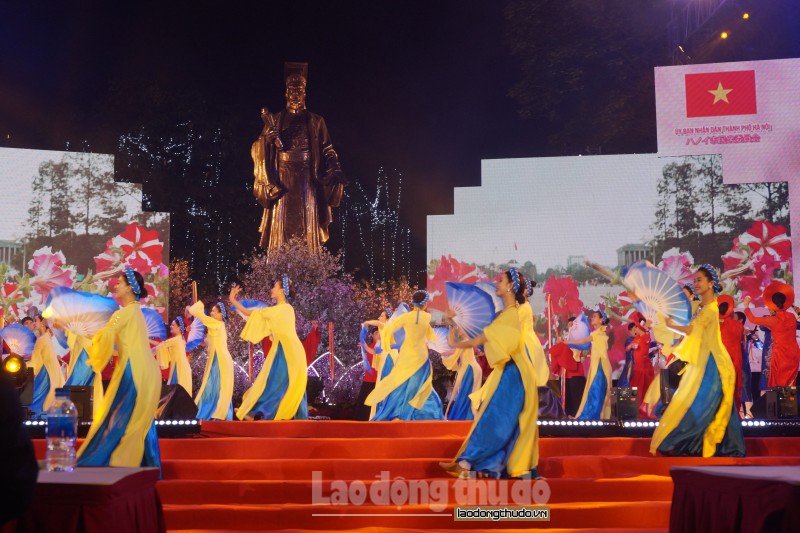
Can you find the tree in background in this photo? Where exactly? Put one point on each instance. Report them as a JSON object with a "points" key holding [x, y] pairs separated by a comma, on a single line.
{"points": [[587, 71], [323, 292], [180, 287]]}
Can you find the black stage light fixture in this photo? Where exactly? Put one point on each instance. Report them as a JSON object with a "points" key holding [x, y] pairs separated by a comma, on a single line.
{"points": [[15, 368]]}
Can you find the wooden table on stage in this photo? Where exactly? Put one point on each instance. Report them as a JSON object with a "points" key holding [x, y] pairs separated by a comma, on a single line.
{"points": [[717, 499], [122, 500]]}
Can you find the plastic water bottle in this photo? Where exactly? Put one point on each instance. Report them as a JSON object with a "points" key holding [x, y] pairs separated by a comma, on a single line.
{"points": [[62, 429]]}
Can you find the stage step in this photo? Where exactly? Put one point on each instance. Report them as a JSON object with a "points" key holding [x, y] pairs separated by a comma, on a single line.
{"points": [[418, 530], [641, 514], [257, 476], [575, 466], [335, 429], [407, 447], [228, 492]]}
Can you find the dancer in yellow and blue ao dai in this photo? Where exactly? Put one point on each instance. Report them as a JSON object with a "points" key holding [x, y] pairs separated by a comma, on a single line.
{"points": [[469, 378], [389, 346], [124, 432], [701, 418], [46, 368], [80, 372], [503, 441], [407, 392], [215, 397], [279, 390], [596, 402], [172, 354]]}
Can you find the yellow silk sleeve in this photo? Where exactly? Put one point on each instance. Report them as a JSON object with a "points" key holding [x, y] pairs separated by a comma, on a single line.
{"points": [[103, 343], [692, 345], [197, 310], [430, 334], [451, 362], [257, 326], [501, 341], [37, 358], [390, 330]]}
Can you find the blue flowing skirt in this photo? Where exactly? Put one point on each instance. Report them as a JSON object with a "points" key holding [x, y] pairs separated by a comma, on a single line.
{"points": [[747, 391], [82, 374], [112, 428], [388, 365], [207, 403], [549, 404], [396, 406], [687, 437], [41, 387], [627, 372], [461, 408], [596, 397], [497, 430], [275, 389]]}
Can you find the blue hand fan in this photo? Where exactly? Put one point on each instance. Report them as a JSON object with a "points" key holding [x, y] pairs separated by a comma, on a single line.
{"points": [[580, 330], [197, 334], [156, 329], [473, 307], [400, 334], [19, 339], [250, 305], [491, 290], [82, 313], [60, 336], [440, 344], [658, 293], [60, 342]]}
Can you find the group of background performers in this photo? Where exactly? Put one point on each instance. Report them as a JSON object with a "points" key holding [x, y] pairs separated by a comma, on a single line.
{"points": [[123, 428], [702, 417]]}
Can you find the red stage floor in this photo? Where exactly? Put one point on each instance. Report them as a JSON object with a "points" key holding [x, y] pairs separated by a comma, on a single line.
{"points": [[257, 476]]}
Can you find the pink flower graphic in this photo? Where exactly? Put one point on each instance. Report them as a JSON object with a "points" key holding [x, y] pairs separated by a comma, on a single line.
{"points": [[152, 291], [750, 286], [161, 270], [766, 238], [738, 256], [141, 248], [677, 265], [451, 270], [108, 260], [49, 271], [754, 285], [564, 297]]}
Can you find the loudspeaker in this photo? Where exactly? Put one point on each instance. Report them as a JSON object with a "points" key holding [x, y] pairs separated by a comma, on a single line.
{"points": [[175, 404], [759, 407], [83, 398], [624, 403], [781, 402], [673, 373]]}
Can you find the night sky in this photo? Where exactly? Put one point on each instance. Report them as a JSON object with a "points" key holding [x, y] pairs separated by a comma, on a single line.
{"points": [[417, 86]]}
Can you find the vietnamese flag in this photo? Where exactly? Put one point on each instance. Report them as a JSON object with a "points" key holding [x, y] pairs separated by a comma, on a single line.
{"points": [[716, 94]]}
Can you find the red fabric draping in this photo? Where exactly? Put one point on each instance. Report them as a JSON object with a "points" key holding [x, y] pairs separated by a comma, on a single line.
{"points": [[96, 500], [310, 344], [717, 500]]}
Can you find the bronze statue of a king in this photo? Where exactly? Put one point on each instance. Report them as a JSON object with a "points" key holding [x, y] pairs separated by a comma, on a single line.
{"points": [[298, 178]]}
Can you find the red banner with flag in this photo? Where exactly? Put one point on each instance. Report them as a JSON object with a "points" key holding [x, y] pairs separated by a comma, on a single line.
{"points": [[716, 94]]}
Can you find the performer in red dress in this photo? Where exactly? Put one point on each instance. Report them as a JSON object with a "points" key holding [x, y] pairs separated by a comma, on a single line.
{"points": [[732, 331], [643, 373], [561, 358], [782, 324]]}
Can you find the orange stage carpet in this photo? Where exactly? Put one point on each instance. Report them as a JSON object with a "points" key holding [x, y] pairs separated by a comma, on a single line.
{"points": [[251, 476]]}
